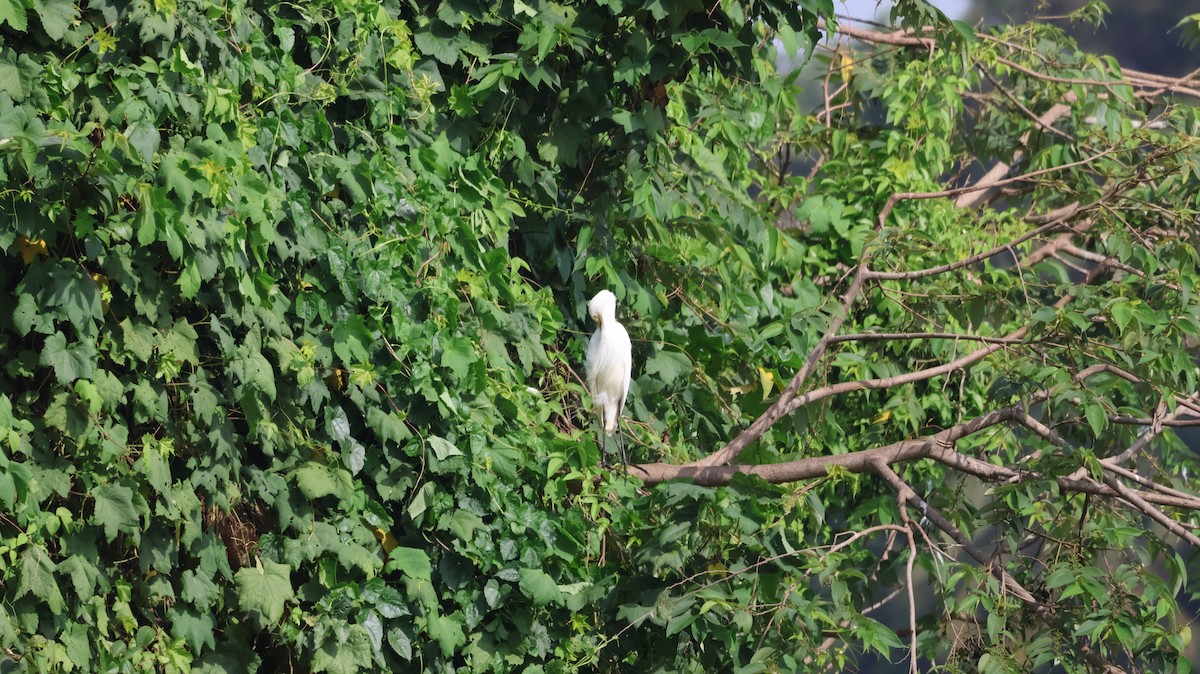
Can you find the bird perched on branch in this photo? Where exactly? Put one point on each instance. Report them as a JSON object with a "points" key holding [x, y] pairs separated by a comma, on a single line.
{"points": [[609, 365]]}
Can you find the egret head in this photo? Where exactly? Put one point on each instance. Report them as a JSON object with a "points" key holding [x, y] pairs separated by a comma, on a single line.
{"points": [[602, 306]]}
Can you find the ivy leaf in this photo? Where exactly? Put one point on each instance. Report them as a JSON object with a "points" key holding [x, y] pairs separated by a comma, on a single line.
{"points": [[413, 562], [12, 429], [71, 362], [374, 627], [447, 631], [13, 12], [253, 369], [444, 46], [26, 312], [351, 340], [83, 574], [355, 457], [56, 16], [317, 480], [115, 510], [347, 656], [443, 448], [339, 425], [462, 523], [199, 590], [10, 75], [139, 339], [77, 294], [37, 577], [189, 280], [180, 342], [668, 365], [264, 589], [458, 354], [539, 586], [197, 629]]}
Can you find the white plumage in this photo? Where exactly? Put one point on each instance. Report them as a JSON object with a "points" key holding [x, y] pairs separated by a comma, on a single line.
{"points": [[609, 363]]}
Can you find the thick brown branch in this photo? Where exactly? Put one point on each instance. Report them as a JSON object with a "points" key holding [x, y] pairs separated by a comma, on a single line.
{"points": [[938, 447], [901, 39]]}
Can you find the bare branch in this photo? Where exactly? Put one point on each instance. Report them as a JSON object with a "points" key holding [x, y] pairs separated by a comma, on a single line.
{"points": [[1134, 499], [966, 261], [884, 336], [902, 38], [1143, 421], [980, 185]]}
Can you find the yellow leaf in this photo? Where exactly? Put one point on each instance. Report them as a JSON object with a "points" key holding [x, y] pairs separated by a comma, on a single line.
{"points": [[30, 248], [105, 294], [335, 380], [386, 539], [768, 381], [846, 66]]}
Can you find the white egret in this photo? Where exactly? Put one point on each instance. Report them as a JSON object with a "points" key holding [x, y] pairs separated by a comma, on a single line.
{"points": [[609, 365]]}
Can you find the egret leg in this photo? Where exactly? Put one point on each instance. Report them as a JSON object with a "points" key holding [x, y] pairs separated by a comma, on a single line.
{"points": [[621, 445], [603, 444]]}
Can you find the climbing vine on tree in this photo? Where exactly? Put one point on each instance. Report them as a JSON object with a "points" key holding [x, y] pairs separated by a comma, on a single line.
{"points": [[293, 308]]}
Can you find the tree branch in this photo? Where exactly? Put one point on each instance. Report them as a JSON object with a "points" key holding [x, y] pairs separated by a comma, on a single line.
{"points": [[755, 430], [884, 336]]}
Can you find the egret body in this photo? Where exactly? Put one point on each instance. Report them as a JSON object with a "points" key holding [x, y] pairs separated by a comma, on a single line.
{"points": [[609, 364]]}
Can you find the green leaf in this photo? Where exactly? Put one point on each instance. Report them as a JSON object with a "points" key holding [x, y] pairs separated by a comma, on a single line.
{"points": [[317, 480], [37, 578], [75, 293], [13, 13], [197, 629], [876, 636], [56, 16], [26, 313], [253, 369], [539, 586], [668, 366], [413, 562], [400, 642], [1122, 312], [447, 631], [264, 589], [70, 362], [443, 448], [347, 656], [352, 340], [10, 75], [1060, 577], [457, 355], [1097, 417], [115, 510]]}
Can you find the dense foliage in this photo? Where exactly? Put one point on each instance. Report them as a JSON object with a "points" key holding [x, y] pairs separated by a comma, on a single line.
{"points": [[292, 298]]}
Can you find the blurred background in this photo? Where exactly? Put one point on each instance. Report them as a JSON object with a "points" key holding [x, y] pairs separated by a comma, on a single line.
{"points": [[1139, 33]]}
